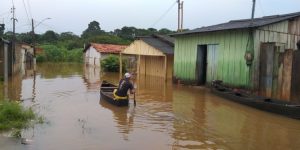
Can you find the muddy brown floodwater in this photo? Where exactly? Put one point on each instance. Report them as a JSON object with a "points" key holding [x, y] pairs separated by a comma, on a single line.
{"points": [[166, 116]]}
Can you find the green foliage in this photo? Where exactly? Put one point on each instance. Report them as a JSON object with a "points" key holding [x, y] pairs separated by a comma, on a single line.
{"points": [[111, 64], [40, 58], [50, 36], [129, 33], [2, 28], [108, 39], [13, 115], [53, 53], [68, 36], [25, 37], [92, 30], [165, 31]]}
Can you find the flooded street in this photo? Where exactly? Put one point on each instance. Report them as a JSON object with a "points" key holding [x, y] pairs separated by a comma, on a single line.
{"points": [[166, 116]]}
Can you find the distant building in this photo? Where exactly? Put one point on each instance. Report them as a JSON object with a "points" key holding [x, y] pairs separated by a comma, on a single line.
{"points": [[154, 55], [12, 62], [94, 52], [260, 55], [6, 57]]}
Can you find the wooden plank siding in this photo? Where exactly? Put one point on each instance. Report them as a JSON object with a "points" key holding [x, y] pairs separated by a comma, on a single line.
{"points": [[151, 60], [284, 34], [231, 66], [139, 47], [232, 44]]}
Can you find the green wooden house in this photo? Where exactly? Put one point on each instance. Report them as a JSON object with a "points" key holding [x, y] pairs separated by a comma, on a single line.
{"points": [[257, 54]]}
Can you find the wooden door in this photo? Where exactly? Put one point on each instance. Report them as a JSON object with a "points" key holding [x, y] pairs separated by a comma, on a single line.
{"points": [[295, 84], [266, 69], [212, 62]]}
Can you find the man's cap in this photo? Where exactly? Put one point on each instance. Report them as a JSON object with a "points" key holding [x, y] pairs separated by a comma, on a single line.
{"points": [[127, 75]]}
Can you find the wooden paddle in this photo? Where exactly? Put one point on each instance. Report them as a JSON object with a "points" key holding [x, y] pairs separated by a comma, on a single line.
{"points": [[134, 102]]}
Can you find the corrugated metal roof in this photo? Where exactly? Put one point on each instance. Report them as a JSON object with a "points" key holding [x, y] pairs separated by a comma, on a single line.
{"points": [[161, 42], [243, 23], [106, 48]]}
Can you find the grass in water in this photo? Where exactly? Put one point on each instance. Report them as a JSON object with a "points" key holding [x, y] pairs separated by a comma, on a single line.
{"points": [[14, 116]]}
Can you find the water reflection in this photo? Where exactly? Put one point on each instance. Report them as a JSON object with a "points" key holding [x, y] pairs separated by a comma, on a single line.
{"points": [[122, 116], [59, 70], [92, 78]]}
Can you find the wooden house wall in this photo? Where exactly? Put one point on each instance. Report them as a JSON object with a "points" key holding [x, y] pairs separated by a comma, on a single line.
{"points": [[152, 60], [155, 66], [284, 35], [170, 62], [231, 66], [139, 47]]}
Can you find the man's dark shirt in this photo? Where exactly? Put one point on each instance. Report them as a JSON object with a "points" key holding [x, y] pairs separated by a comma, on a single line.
{"points": [[124, 86]]}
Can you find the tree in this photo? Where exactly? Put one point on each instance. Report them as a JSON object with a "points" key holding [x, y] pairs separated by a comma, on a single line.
{"points": [[68, 36], [127, 33], [152, 30], [165, 31], [2, 28], [25, 37], [92, 30], [108, 39], [8, 35], [50, 36]]}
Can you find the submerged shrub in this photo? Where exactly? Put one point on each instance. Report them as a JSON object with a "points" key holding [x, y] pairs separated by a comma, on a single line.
{"points": [[54, 53], [110, 63], [13, 115]]}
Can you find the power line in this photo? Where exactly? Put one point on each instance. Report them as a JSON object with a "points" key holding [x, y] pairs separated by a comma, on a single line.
{"points": [[26, 11], [261, 7], [29, 8], [164, 14]]}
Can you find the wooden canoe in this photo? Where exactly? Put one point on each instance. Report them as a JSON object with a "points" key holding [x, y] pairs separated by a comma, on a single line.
{"points": [[106, 93], [266, 104]]}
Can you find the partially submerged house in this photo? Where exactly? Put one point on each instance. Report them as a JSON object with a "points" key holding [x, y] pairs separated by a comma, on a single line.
{"points": [[154, 55], [6, 57], [12, 61], [94, 52], [259, 55]]}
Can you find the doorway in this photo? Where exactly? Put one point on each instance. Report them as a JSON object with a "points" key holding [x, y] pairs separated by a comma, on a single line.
{"points": [[201, 64]]}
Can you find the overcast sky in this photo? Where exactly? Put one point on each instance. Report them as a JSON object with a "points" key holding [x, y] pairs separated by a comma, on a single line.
{"points": [[75, 15]]}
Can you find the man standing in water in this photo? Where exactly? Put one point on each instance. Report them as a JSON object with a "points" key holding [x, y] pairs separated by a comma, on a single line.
{"points": [[124, 86]]}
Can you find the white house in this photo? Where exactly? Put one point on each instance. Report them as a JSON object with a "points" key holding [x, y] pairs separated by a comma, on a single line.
{"points": [[94, 52]]}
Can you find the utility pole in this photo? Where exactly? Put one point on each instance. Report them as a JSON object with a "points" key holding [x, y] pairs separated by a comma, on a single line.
{"points": [[178, 29], [33, 38], [33, 42], [181, 28], [14, 37], [180, 15], [253, 9]]}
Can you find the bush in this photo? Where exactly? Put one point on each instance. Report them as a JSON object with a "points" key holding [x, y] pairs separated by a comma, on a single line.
{"points": [[13, 115], [40, 58], [112, 64], [53, 53]]}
